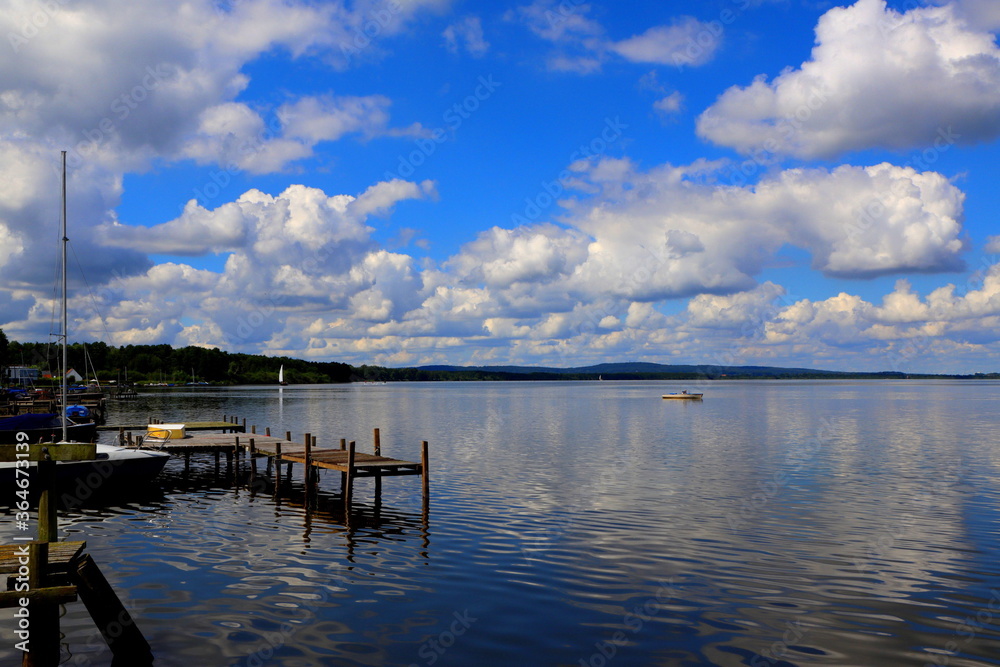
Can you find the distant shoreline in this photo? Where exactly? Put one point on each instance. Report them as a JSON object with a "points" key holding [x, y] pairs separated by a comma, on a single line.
{"points": [[141, 365]]}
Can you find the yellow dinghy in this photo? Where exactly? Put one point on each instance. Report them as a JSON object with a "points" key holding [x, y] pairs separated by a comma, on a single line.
{"points": [[166, 431]]}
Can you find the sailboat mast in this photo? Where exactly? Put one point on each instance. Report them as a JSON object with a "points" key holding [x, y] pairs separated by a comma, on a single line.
{"points": [[65, 329]]}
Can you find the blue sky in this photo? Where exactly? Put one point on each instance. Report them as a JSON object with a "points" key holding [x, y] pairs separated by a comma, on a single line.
{"points": [[737, 182]]}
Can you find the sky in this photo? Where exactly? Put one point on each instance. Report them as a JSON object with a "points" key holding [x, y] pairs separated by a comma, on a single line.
{"points": [[408, 182]]}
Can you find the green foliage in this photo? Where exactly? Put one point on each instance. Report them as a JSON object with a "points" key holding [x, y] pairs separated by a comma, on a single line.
{"points": [[4, 345], [162, 363]]}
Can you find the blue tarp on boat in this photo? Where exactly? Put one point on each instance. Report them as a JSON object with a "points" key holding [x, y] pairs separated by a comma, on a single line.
{"points": [[29, 422], [77, 412]]}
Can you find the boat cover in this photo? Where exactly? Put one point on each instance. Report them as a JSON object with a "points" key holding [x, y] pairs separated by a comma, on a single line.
{"points": [[30, 421]]}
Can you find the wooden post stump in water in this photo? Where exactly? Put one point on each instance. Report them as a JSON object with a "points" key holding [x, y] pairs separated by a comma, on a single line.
{"points": [[315, 469], [277, 469], [378, 475], [308, 466], [253, 460], [43, 646], [343, 475], [348, 486], [425, 472]]}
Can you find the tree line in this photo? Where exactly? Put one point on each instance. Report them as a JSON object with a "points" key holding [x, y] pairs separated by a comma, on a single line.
{"points": [[163, 363]]}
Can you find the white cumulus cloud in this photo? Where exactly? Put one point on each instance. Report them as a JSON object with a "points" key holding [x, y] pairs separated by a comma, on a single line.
{"points": [[876, 78]]}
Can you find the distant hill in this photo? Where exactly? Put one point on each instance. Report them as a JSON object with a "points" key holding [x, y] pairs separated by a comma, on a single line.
{"points": [[646, 370]]}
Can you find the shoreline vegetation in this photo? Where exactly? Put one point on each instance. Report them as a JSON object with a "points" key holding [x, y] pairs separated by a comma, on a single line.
{"points": [[165, 365]]}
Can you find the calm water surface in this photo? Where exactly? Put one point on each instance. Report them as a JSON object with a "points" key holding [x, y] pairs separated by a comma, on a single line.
{"points": [[820, 523]]}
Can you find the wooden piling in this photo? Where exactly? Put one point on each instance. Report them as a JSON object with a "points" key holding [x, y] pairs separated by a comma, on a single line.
{"points": [[424, 471], [43, 646], [253, 459], [308, 466], [343, 475], [378, 476], [348, 486], [277, 470], [48, 523]]}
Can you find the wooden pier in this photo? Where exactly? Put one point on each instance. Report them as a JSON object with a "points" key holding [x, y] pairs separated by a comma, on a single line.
{"points": [[225, 426], [235, 442], [62, 572]]}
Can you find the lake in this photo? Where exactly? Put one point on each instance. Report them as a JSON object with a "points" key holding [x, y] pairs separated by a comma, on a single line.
{"points": [[572, 523]]}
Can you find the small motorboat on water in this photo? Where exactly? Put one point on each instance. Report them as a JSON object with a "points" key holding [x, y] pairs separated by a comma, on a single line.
{"points": [[685, 395]]}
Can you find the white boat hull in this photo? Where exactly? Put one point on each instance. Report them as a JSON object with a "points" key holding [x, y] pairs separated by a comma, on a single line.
{"points": [[114, 468]]}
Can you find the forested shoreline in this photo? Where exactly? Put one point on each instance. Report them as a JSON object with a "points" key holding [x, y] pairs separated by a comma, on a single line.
{"points": [[145, 364]]}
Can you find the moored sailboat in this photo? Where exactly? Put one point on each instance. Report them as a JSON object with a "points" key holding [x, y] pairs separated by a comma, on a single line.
{"points": [[116, 464]]}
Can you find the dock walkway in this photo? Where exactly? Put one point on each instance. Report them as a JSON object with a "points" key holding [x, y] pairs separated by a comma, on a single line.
{"points": [[232, 427], [346, 459]]}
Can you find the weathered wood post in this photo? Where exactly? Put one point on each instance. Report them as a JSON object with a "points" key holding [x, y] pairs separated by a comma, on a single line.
{"points": [[308, 475], [315, 469], [277, 469], [253, 460], [238, 453], [348, 487], [378, 473], [43, 646], [343, 475], [425, 472]]}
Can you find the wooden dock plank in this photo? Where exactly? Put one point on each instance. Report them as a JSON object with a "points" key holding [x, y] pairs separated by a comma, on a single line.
{"points": [[331, 459], [190, 426], [231, 437], [334, 459], [49, 594], [61, 554]]}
